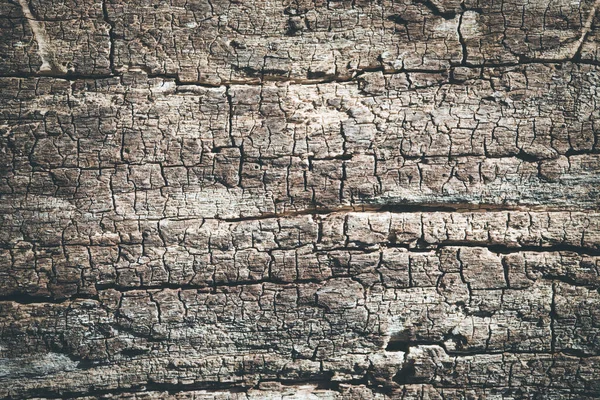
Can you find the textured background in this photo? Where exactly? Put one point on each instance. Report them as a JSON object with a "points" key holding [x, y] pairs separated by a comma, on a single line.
{"points": [[337, 199]]}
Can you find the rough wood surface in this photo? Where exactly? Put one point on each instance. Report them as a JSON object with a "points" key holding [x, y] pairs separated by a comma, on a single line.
{"points": [[300, 199]]}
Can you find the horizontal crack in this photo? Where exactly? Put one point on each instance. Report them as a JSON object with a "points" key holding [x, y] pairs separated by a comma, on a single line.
{"points": [[504, 249], [25, 299], [72, 76]]}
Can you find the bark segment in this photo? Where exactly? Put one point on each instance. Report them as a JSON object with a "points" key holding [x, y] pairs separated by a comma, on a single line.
{"points": [[215, 199]]}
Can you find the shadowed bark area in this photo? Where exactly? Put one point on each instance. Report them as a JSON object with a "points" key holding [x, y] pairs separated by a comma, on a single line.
{"points": [[299, 199]]}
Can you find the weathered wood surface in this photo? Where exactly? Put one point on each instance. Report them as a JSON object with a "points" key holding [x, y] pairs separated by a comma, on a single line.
{"points": [[336, 199]]}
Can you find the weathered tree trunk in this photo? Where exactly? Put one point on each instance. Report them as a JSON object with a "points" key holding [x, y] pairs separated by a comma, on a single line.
{"points": [[340, 199]]}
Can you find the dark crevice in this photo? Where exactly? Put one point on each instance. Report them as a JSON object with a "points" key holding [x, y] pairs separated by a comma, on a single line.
{"points": [[594, 150], [24, 298], [395, 345], [435, 10], [462, 41], [521, 155], [134, 352], [407, 374], [569, 280], [229, 97], [503, 249], [578, 353], [398, 20]]}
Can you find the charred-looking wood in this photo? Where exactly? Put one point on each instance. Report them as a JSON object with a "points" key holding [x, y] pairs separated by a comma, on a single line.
{"points": [[305, 199]]}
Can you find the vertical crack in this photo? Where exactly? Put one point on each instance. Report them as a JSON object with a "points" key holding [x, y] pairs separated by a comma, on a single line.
{"points": [[230, 116], [461, 39], [553, 318], [111, 37]]}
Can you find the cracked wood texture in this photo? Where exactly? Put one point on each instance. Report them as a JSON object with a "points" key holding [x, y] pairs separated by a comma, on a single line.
{"points": [[300, 199]]}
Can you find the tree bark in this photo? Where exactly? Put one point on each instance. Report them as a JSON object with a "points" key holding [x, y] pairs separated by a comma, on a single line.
{"points": [[337, 199]]}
